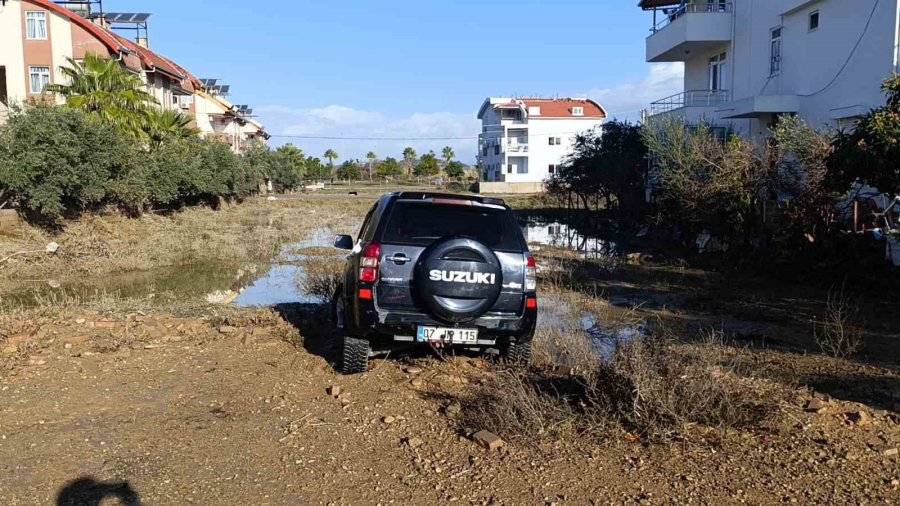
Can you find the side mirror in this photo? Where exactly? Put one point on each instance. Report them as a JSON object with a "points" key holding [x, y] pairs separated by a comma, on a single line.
{"points": [[343, 242]]}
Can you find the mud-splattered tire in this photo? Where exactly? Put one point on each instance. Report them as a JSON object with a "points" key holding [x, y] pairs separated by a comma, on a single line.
{"points": [[355, 356], [518, 355]]}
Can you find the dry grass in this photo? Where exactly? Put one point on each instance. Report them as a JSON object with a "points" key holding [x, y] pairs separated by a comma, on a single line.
{"points": [[321, 276], [102, 245]]}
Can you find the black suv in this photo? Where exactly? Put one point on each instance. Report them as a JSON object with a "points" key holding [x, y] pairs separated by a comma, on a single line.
{"points": [[436, 269]]}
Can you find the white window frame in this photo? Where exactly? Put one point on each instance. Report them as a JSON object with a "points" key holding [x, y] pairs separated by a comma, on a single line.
{"points": [[39, 71], [814, 14], [776, 50], [578, 111], [33, 19], [718, 72]]}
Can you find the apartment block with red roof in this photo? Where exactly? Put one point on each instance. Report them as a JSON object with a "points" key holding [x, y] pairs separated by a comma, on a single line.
{"points": [[525, 140], [38, 36]]}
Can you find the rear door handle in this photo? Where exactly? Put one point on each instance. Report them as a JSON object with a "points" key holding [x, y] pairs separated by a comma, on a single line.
{"points": [[399, 258]]}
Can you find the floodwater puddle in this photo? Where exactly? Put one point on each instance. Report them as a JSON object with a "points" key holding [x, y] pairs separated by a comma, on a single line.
{"points": [[558, 316]]}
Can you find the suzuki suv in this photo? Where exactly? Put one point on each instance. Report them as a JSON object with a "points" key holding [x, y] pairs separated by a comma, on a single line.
{"points": [[438, 270]]}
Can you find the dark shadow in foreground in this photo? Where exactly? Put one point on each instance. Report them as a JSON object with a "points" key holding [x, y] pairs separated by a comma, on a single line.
{"points": [[86, 491]]}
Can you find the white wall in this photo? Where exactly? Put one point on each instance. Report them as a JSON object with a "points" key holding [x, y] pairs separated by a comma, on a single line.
{"points": [[810, 60], [61, 45]]}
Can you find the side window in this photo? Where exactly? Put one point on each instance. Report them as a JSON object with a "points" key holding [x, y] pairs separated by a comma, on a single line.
{"points": [[365, 232]]}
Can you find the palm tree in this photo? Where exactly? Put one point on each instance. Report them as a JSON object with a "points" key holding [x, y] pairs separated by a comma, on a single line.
{"points": [[448, 154], [102, 87], [331, 155], [167, 124], [371, 156], [409, 156]]}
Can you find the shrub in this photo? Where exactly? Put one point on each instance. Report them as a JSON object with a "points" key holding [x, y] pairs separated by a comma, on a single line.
{"points": [[348, 170], [321, 276], [840, 332], [427, 166], [390, 167], [58, 160]]}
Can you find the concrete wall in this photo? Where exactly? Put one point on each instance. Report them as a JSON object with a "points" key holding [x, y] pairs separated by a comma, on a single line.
{"points": [[11, 53], [493, 187]]}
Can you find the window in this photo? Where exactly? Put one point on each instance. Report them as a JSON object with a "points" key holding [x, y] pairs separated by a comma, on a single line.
{"points": [[551, 168], [775, 52], [496, 149], [716, 6], [522, 168], [534, 111], [555, 141], [718, 72], [39, 78], [578, 111], [36, 25], [814, 21], [421, 223], [509, 168]]}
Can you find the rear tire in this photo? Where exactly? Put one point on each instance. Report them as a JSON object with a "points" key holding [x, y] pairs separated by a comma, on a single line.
{"points": [[354, 351], [355, 356], [518, 354]]}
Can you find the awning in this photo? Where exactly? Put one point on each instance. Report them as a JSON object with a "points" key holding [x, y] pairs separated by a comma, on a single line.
{"points": [[760, 105], [653, 4]]}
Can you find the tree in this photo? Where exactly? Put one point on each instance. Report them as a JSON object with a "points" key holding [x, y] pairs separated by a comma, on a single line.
{"points": [[448, 154], [607, 166], [295, 157], [163, 125], [348, 170], [331, 155], [409, 158], [371, 156], [315, 169], [455, 170], [389, 168], [427, 166], [102, 87], [871, 153]]}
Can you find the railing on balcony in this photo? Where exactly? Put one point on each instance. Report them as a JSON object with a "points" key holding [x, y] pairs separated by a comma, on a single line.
{"points": [[693, 98], [673, 13], [517, 148]]}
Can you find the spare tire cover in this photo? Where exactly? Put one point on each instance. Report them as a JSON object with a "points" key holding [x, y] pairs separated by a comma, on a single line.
{"points": [[458, 279]]}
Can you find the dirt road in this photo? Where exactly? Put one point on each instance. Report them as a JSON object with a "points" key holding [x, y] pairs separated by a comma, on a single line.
{"points": [[153, 409]]}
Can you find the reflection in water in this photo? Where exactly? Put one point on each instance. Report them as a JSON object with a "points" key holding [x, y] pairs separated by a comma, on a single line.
{"points": [[606, 339], [561, 235]]}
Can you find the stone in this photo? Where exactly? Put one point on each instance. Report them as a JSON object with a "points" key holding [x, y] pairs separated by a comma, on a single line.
{"points": [[74, 340], [388, 419], [333, 390], [417, 382], [413, 442], [816, 406], [227, 329], [105, 324], [890, 452], [488, 440], [80, 321], [453, 409], [413, 370], [10, 350]]}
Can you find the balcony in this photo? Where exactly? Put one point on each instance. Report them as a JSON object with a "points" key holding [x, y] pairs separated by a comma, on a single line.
{"points": [[696, 99], [689, 29]]}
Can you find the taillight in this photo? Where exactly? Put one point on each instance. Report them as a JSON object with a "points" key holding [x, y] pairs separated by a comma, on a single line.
{"points": [[368, 263], [531, 303], [530, 274]]}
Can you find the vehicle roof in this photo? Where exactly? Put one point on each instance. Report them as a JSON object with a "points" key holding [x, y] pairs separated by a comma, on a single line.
{"points": [[456, 196]]}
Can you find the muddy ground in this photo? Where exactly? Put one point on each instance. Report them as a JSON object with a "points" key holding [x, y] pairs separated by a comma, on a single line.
{"points": [[153, 402]]}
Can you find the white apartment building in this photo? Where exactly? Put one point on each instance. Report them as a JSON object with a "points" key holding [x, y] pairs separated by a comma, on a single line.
{"points": [[525, 140], [749, 61]]}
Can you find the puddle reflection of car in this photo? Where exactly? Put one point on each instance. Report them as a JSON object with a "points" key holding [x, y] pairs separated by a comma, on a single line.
{"points": [[429, 269]]}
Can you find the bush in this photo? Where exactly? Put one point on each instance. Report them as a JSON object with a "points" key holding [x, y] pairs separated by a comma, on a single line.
{"points": [[840, 332], [321, 276], [58, 160], [349, 171], [389, 168]]}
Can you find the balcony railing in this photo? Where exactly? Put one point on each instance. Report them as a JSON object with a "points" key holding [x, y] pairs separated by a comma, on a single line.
{"points": [[670, 15], [517, 148], [693, 98]]}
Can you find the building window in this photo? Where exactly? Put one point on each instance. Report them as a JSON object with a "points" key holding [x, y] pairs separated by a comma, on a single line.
{"points": [[534, 111], [509, 168], [39, 78], [522, 168], [555, 141], [718, 72], [578, 111], [36, 25], [775, 52], [814, 21], [496, 149], [551, 168]]}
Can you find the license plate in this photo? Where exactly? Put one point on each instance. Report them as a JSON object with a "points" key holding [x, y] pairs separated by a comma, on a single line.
{"points": [[445, 335]]}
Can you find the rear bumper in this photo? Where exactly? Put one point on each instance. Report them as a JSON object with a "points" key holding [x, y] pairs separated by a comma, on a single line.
{"points": [[402, 325]]}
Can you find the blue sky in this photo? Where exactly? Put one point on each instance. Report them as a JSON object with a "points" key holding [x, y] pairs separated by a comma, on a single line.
{"points": [[402, 68]]}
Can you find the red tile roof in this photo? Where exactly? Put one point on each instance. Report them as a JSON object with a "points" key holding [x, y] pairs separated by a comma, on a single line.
{"points": [[562, 107], [151, 60], [102, 35]]}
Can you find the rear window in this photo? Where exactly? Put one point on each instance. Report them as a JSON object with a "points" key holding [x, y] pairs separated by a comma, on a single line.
{"points": [[421, 223]]}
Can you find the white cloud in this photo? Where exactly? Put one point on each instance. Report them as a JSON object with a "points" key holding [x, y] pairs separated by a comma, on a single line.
{"points": [[347, 125], [626, 100]]}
